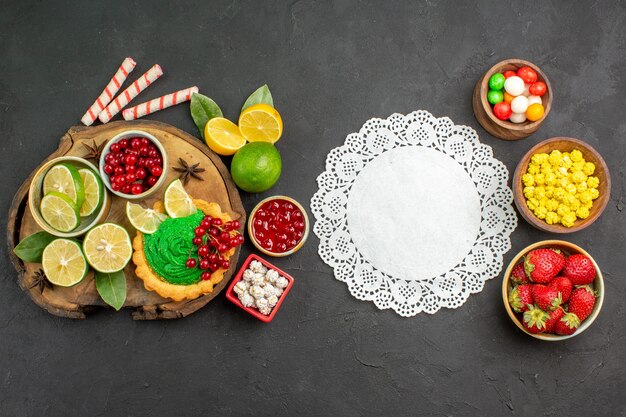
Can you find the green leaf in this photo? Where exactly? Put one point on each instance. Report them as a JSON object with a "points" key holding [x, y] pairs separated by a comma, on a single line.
{"points": [[203, 109], [112, 288], [31, 248], [261, 95]]}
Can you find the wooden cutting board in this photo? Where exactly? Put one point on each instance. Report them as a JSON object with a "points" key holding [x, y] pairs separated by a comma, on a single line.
{"points": [[75, 302]]}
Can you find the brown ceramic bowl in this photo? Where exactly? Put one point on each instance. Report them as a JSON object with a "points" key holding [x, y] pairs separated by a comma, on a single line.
{"points": [[569, 249], [564, 145], [483, 111]]}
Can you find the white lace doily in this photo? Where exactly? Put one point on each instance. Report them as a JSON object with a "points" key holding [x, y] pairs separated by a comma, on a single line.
{"points": [[413, 213]]}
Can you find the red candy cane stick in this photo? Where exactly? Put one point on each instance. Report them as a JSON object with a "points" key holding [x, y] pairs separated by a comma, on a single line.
{"points": [[109, 91], [159, 103], [130, 93]]}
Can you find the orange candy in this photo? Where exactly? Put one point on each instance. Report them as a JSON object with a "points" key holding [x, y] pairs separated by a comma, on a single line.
{"points": [[534, 112], [508, 98]]}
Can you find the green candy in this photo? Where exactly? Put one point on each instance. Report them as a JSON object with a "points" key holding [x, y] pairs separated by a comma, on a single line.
{"points": [[496, 82], [494, 97]]}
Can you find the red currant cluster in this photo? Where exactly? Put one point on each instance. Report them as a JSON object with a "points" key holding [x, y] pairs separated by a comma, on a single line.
{"points": [[213, 238], [133, 165]]}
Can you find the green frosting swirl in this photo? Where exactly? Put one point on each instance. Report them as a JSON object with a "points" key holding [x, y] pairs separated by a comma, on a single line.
{"points": [[168, 249]]}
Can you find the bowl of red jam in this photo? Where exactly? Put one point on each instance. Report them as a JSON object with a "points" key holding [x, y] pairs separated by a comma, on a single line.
{"points": [[278, 226]]}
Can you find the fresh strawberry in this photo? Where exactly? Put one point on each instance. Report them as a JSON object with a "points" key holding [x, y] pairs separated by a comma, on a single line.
{"points": [[520, 297], [546, 298], [581, 302], [555, 316], [568, 324], [518, 275], [562, 285], [542, 265], [535, 319], [579, 269]]}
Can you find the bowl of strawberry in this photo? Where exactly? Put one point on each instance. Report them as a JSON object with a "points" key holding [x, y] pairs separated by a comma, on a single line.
{"points": [[133, 164], [553, 290]]}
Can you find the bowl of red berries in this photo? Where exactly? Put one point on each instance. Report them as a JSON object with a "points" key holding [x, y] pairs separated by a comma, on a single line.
{"points": [[553, 290], [133, 164], [278, 226]]}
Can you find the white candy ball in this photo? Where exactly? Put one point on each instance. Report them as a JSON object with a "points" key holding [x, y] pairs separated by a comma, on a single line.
{"points": [[518, 117], [514, 85], [534, 99], [519, 104], [526, 92]]}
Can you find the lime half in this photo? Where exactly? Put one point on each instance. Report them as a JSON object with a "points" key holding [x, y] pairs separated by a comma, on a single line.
{"points": [[107, 247], [65, 179], [177, 202], [94, 192], [144, 220], [63, 262], [59, 211]]}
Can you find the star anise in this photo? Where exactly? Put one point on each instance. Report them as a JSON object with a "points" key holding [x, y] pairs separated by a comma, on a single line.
{"points": [[94, 152], [40, 281], [187, 171]]}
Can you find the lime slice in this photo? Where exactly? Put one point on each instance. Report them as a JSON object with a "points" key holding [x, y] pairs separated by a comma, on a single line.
{"points": [[144, 220], [177, 201], [94, 192], [63, 262], [59, 211], [65, 179], [107, 247]]}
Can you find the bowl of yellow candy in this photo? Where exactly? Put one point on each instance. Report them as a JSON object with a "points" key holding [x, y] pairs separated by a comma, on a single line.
{"points": [[561, 185]]}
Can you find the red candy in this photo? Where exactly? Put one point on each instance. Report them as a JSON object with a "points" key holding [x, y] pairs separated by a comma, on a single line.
{"points": [[277, 226], [509, 73], [502, 110], [127, 167], [538, 89], [527, 74]]}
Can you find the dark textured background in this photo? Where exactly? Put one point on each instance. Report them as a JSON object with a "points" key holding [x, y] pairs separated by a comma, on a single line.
{"points": [[331, 66]]}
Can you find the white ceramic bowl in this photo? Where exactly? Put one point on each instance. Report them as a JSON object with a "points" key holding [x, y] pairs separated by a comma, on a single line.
{"points": [[35, 195], [134, 134]]}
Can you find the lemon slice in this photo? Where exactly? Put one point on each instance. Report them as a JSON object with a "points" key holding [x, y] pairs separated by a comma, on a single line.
{"points": [[65, 179], [63, 262], [144, 220], [59, 211], [94, 192], [107, 247], [261, 123], [177, 202], [223, 136]]}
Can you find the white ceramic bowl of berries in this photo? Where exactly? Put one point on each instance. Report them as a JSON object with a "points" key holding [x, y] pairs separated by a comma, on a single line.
{"points": [[133, 164], [553, 290]]}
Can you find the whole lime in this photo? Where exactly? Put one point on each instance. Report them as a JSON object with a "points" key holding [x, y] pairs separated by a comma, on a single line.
{"points": [[256, 167]]}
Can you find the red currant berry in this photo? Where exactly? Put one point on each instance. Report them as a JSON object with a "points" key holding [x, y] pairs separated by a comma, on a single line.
{"points": [[143, 151], [130, 160], [119, 179], [130, 178], [214, 231], [115, 186], [213, 257], [197, 241], [203, 251], [222, 248], [119, 170], [140, 173], [123, 143], [126, 188], [199, 231], [225, 237], [133, 152], [151, 181], [153, 153], [136, 189], [156, 170], [158, 161], [131, 169], [115, 148], [235, 225], [108, 169], [149, 163], [225, 264], [205, 224], [214, 243], [191, 263], [214, 267], [135, 143], [206, 275], [204, 264], [109, 158]]}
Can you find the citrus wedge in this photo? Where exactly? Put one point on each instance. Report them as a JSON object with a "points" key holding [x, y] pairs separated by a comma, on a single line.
{"points": [[223, 136], [63, 262], [261, 123], [177, 202], [59, 211], [65, 179], [144, 220], [107, 247], [94, 192]]}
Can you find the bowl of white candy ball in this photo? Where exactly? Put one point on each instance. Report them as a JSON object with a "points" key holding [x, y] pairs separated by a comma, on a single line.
{"points": [[259, 288]]}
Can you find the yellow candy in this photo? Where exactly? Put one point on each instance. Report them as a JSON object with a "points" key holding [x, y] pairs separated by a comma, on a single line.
{"points": [[570, 188], [541, 212], [552, 217], [581, 187], [562, 210], [529, 192], [578, 177], [594, 193], [552, 204], [555, 157], [528, 180], [540, 179], [593, 182], [589, 168], [568, 220], [576, 155], [539, 158], [551, 178], [582, 213], [540, 192]]}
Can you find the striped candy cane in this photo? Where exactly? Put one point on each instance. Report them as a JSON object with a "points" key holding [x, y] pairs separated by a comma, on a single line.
{"points": [[159, 103], [109, 91], [130, 93]]}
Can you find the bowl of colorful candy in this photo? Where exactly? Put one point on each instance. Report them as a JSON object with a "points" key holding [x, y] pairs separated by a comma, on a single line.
{"points": [[278, 226], [561, 185], [553, 290], [133, 164], [512, 99]]}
